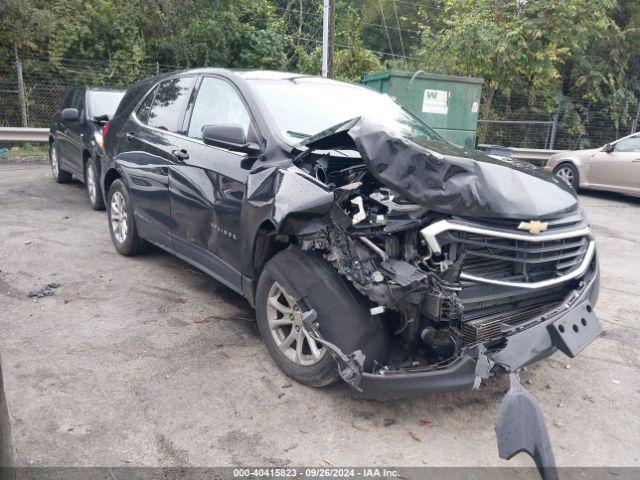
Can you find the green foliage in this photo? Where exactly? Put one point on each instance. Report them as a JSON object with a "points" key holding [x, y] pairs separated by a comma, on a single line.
{"points": [[24, 151], [225, 33], [533, 53], [350, 63], [97, 30], [23, 24], [512, 47], [536, 56]]}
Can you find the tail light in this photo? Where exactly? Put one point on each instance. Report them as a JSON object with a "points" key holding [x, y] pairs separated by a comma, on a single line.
{"points": [[104, 129]]}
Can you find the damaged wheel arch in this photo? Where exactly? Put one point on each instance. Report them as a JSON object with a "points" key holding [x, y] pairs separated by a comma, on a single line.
{"points": [[343, 314]]}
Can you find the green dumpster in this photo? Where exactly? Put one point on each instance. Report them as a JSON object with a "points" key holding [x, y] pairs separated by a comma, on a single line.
{"points": [[446, 103]]}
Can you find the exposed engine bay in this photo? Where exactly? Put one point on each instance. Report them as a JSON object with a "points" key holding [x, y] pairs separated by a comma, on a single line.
{"points": [[374, 241], [441, 282]]}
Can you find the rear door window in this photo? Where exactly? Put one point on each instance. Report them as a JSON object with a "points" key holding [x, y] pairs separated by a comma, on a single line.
{"points": [[145, 107], [104, 102], [169, 103]]}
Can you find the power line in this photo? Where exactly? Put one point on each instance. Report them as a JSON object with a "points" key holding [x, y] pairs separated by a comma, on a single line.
{"points": [[384, 22], [370, 24], [395, 11], [422, 5], [340, 45]]}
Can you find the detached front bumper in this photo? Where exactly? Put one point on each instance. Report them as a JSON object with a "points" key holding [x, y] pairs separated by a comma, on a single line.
{"points": [[570, 330]]}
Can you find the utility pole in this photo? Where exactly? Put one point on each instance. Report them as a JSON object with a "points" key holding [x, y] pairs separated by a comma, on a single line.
{"points": [[554, 125], [328, 31], [634, 124], [21, 94]]}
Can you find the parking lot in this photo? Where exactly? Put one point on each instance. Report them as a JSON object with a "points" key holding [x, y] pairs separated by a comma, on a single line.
{"points": [[146, 361]]}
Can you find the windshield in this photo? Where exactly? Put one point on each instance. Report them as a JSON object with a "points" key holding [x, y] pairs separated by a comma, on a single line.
{"points": [[105, 102], [304, 106]]}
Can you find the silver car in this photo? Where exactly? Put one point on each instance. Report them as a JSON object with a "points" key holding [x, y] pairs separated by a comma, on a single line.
{"points": [[614, 167]]}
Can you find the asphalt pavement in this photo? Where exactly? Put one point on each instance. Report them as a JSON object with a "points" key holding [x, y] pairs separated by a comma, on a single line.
{"points": [[146, 361]]}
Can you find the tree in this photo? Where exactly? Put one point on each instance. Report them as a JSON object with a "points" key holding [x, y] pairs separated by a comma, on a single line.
{"points": [[23, 23], [527, 50]]}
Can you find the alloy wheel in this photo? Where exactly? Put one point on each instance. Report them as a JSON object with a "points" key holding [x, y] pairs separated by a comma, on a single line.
{"points": [[54, 161], [284, 318], [118, 214], [566, 174], [91, 183]]}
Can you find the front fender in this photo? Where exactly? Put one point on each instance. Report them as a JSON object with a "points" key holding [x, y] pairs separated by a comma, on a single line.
{"points": [[285, 199]]}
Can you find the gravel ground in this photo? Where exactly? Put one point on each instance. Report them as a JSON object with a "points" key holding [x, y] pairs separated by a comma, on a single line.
{"points": [[146, 361]]}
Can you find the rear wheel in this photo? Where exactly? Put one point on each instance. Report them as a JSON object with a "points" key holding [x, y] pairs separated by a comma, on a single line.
{"points": [[92, 183], [569, 173], [59, 175], [122, 225], [293, 282]]}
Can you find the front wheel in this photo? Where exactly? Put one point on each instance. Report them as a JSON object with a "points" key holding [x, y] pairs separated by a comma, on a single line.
{"points": [[569, 173], [293, 282], [122, 225]]}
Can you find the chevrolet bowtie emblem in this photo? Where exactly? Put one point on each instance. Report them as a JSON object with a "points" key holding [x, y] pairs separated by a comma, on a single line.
{"points": [[534, 226]]}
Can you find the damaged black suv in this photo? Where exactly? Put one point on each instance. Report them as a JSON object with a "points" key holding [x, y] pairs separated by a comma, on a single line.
{"points": [[372, 249]]}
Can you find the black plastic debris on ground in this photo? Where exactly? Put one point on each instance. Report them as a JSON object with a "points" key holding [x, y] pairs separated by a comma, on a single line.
{"points": [[46, 291]]}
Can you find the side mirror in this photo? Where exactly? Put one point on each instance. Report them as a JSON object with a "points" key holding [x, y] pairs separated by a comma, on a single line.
{"points": [[70, 114], [608, 148], [230, 136]]}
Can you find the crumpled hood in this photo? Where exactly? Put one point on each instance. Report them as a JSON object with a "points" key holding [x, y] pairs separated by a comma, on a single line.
{"points": [[449, 179]]}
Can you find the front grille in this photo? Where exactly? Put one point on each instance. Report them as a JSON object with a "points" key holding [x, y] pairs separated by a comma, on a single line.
{"points": [[491, 257], [509, 277], [564, 221]]}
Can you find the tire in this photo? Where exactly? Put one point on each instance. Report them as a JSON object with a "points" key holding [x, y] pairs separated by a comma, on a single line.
{"points": [[122, 224], [92, 184], [342, 314], [59, 175], [569, 173]]}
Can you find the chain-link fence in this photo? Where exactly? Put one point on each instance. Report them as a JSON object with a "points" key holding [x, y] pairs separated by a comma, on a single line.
{"points": [[45, 84], [509, 120], [561, 123]]}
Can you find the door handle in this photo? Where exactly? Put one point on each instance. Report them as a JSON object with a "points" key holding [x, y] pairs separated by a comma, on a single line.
{"points": [[637, 160], [181, 155]]}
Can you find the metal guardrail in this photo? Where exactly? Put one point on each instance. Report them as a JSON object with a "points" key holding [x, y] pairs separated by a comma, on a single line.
{"points": [[532, 155], [22, 134]]}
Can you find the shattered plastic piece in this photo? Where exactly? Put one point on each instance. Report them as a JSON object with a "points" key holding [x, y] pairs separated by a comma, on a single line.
{"points": [[350, 367], [45, 291], [520, 427], [360, 215], [377, 310], [377, 277], [351, 186], [483, 367]]}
